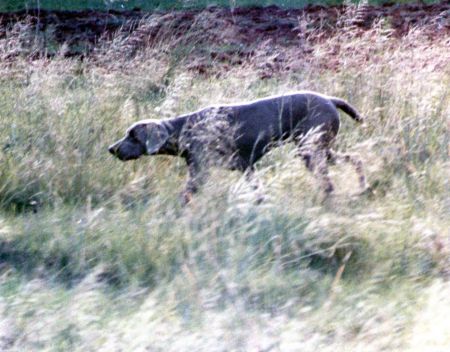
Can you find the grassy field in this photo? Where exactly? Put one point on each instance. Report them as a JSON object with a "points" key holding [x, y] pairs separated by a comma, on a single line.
{"points": [[98, 255], [16, 5]]}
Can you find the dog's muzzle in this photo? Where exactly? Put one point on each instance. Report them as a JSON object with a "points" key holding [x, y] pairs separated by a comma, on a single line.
{"points": [[113, 149]]}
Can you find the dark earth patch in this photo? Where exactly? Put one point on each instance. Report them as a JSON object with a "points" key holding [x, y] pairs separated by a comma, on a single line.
{"points": [[209, 36]]}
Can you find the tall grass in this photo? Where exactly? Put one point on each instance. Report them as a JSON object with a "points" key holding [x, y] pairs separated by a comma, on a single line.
{"points": [[96, 253], [74, 5]]}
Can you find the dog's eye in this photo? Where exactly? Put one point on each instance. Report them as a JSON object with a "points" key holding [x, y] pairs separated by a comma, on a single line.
{"points": [[132, 134]]}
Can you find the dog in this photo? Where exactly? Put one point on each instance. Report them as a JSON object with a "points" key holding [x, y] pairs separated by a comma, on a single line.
{"points": [[236, 136]]}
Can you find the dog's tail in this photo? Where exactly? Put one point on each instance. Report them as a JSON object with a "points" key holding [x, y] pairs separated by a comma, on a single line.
{"points": [[347, 108]]}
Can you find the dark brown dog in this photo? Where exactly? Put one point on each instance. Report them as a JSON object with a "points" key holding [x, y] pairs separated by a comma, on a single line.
{"points": [[236, 136]]}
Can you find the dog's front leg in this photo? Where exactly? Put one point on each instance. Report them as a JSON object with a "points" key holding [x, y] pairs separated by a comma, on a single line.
{"points": [[255, 184], [196, 178]]}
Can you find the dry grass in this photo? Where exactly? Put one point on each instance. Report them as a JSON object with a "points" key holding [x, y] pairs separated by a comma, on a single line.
{"points": [[98, 255]]}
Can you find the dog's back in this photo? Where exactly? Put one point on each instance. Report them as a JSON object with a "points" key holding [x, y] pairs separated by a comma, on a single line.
{"points": [[258, 124]]}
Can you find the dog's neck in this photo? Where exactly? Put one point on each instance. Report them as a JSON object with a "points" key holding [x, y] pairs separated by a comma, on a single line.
{"points": [[174, 127]]}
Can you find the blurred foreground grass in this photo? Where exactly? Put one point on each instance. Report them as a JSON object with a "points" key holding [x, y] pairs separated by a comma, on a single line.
{"points": [[98, 255]]}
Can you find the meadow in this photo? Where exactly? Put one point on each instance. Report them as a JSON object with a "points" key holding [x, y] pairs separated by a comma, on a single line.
{"points": [[79, 5], [99, 255]]}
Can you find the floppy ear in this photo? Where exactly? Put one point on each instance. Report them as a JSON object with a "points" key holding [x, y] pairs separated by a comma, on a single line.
{"points": [[157, 136]]}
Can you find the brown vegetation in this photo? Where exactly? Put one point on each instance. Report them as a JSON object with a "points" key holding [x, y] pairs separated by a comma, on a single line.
{"points": [[272, 38]]}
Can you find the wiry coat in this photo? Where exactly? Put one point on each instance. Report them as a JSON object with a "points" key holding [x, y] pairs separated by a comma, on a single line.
{"points": [[237, 136]]}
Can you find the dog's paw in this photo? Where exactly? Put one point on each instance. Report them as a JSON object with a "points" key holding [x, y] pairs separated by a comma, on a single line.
{"points": [[367, 190], [186, 198]]}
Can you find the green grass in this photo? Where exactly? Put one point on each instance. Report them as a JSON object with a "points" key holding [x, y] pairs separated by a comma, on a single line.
{"points": [[99, 255]]}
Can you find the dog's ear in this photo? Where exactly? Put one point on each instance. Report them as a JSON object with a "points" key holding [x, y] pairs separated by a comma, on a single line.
{"points": [[157, 136]]}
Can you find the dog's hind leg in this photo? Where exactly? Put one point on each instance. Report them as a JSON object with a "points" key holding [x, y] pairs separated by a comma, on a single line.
{"points": [[321, 171], [334, 156], [316, 161]]}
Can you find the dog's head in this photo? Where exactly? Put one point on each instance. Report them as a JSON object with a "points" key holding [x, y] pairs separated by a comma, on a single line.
{"points": [[144, 137]]}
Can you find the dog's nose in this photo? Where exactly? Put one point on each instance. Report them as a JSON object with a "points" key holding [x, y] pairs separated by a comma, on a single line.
{"points": [[112, 149]]}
